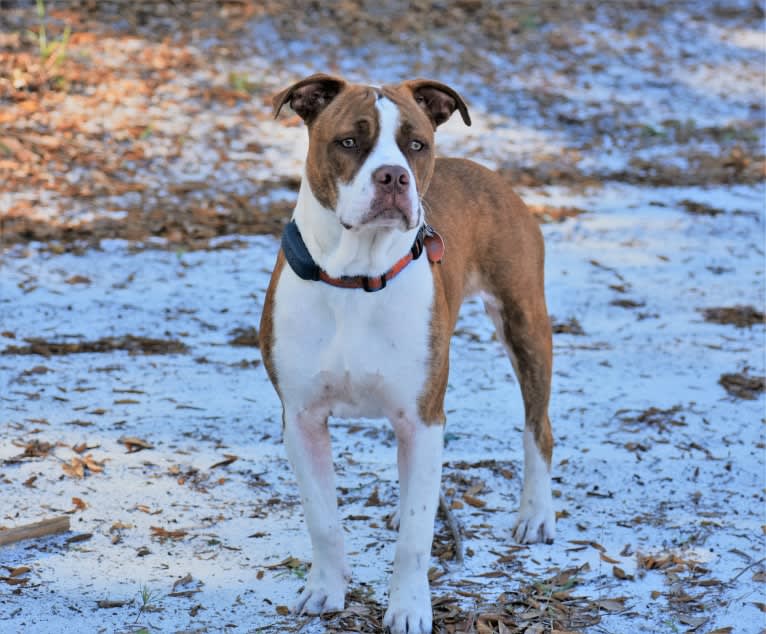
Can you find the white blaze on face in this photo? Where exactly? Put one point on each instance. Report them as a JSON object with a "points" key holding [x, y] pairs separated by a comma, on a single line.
{"points": [[355, 198]]}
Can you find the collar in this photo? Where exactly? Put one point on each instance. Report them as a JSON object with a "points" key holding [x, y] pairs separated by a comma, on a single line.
{"points": [[304, 266]]}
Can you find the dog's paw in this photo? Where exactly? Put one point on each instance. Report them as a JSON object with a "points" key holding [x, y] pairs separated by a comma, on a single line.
{"points": [[409, 610], [322, 594], [536, 522]]}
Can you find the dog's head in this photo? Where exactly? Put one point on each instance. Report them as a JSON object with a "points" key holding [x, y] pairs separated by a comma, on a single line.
{"points": [[371, 149]]}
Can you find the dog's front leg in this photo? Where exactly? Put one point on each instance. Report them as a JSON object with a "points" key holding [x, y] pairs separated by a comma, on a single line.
{"points": [[419, 452], [307, 441]]}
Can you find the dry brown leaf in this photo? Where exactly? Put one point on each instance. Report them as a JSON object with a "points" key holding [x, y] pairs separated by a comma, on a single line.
{"points": [[228, 459], [92, 464], [74, 469], [287, 562], [608, 559], [474, 501], [82, 537], [183, 581], [79, 504], [135, 444], [162, 533], [20, 570], [78, 279]]}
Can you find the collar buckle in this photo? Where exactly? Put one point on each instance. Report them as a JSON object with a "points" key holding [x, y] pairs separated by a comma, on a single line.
{"points": [[374, 289]]}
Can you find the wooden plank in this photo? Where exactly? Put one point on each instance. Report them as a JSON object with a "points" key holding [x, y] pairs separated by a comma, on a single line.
{"points": [[44, 528]]}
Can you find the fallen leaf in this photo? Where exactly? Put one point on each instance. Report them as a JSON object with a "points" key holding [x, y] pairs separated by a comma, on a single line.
{"points": [[20, 570], [135, 444], [162, 533], [474, 501], [287, 562], [82, 537], [74, 469], [78, 279], [80, 505], [185, 580], [228, 459]]}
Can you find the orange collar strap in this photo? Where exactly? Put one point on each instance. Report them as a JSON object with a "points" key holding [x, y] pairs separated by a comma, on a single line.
{"points": [[303, 264], [427, 240]]}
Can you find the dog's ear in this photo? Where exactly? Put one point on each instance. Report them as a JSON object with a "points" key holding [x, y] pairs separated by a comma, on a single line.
{"points": [[438, 100], [309, 96]]}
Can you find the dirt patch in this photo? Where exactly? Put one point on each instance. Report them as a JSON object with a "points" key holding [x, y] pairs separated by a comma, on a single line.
{"points": [[739, 316], [743, 385], [569, 327], [129, 343], [660, 419], [627, 303], [245, 337], [700, 209]]}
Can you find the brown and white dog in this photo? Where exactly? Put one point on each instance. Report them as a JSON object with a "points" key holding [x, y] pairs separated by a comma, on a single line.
{"points": [[371, 184]]}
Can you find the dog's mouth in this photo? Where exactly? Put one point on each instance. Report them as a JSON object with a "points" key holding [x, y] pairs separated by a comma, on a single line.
{"points": [[395, 211]]}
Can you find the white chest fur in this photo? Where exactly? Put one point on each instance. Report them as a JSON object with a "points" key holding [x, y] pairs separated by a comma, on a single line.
{"points": [[347, 352]]}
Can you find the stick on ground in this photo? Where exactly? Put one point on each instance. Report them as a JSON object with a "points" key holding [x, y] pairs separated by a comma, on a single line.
{"points": [[38, 529], [453, 526]]}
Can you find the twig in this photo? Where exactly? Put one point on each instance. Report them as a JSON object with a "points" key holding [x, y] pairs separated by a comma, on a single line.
{"points": [[453, 526], [38, 529], [744, 570]]}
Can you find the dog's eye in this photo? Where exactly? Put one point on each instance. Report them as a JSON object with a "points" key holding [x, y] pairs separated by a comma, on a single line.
{"points": [[416, 146], [349, 143]]}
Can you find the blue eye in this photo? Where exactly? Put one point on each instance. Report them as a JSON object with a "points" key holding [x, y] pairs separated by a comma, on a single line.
{"points": [[416, 145], [349, 143]]}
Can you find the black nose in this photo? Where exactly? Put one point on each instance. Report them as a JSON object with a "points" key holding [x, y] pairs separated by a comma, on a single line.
{"points": [[390, 176]]}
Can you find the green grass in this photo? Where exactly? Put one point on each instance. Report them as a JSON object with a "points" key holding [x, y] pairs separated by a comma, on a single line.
{"points": [[51, 52]]}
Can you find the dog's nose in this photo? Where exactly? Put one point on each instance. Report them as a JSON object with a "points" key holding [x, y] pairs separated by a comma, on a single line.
{"points": [[390, 176]]}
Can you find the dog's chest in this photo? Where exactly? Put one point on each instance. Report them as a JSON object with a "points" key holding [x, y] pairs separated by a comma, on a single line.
{"points": [[354, 353]]}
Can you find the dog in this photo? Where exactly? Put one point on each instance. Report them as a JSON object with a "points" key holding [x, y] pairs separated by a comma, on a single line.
{"points": [[385, 242]]}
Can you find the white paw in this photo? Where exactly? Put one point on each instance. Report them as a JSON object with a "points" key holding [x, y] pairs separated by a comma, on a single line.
{"points": [[323, 593], [409, 609], [536, 522]]}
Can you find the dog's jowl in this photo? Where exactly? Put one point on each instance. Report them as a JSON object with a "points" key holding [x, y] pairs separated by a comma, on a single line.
{"points": [[385, 243]]}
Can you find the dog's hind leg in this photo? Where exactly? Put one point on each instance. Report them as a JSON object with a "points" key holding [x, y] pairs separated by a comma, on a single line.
{"points": [[307, 442], [525, 331]]}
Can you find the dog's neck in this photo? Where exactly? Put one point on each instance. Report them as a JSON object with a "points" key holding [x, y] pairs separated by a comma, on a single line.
{"points": [[339, 251]]}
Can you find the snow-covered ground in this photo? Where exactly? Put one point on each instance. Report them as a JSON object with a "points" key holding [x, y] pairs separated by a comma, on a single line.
{"points": [[690, 482]]}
